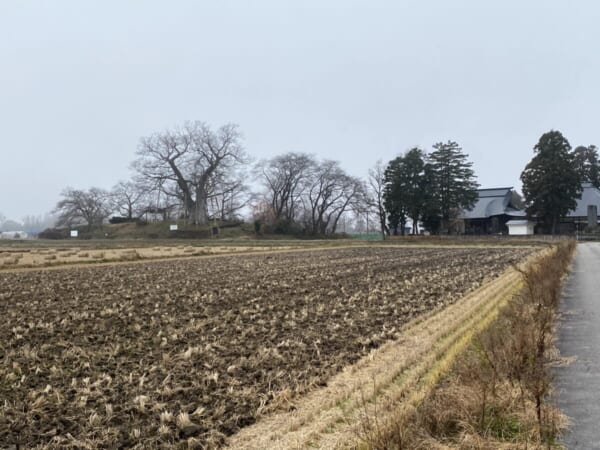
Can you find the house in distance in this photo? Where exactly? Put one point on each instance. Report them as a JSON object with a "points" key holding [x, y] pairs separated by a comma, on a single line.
{"points": [[492, 210], [502, 211], [585, 215]]}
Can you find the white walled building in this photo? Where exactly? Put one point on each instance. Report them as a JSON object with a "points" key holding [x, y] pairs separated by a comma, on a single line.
{"points": [[520, 227]]}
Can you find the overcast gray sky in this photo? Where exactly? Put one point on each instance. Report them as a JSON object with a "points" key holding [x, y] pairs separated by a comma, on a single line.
{"points": [[82, 81]]}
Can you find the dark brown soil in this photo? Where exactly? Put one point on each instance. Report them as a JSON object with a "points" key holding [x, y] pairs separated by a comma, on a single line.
{"points": [[186, 352]]}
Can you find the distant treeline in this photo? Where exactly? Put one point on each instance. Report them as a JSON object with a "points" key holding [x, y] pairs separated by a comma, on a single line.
{"points": [[198, 174]]}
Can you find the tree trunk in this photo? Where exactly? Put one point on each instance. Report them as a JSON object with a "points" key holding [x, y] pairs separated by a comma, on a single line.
{"points": [[445, 225], [335, 224], [554, 225], [200, 206], [323, 227], [382, 222]]}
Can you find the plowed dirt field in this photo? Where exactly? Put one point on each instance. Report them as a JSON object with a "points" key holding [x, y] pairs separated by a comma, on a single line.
{"points": [[186, 352]]}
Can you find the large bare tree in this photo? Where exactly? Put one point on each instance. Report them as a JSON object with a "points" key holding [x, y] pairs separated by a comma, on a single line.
{"points": [[82, 206], [186, 161]]}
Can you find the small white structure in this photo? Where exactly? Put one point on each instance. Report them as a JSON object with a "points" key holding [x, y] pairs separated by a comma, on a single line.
{"points": [[13, 235], [520, 227], [173, 227], [74, 233]]}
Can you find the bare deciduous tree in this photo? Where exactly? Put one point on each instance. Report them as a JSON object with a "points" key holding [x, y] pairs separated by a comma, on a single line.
{"points": [[81, 206], [376, 188], [129, 199], [185, 161], [330, 194], [285, 178], [303, 192], [228, 194]]}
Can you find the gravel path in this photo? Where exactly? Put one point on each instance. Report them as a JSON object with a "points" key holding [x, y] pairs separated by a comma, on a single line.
{"points": [[578, 383]]}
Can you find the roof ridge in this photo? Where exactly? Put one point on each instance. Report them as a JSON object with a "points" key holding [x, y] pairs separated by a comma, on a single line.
{"points": [[495, 189]]}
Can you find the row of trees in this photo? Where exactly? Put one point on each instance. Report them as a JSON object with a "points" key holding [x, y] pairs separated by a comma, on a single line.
{"points": [[428, 188], [302, 192], [197, 174], [432, 189]]}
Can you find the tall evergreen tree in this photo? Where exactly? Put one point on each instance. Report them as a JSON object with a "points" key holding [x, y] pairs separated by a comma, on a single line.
{"points": [[415, 161], [405, 187], [586, 162], [393, 196], [551, 180], [430, 217], [454, 182]]}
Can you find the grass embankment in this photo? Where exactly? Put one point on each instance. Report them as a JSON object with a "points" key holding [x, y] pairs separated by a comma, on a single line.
{"points": [[154, 230], [498, 393]]}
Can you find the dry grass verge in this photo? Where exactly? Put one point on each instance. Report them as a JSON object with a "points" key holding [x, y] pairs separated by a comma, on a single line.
{"points": [[498, 393]]}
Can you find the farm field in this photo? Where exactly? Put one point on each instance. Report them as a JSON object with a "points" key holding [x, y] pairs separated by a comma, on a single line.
{"points": [[186, 352], [15, 258]]}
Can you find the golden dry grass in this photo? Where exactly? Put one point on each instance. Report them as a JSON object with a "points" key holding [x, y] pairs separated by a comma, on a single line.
{"points": [[37, 258]]}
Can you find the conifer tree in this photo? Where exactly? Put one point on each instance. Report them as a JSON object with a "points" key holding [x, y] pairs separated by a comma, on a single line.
{"points": [[551, 180], [454, 184]]}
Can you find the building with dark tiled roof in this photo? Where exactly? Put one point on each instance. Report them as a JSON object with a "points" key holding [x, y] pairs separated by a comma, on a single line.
{"points": [[493, 208]]}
